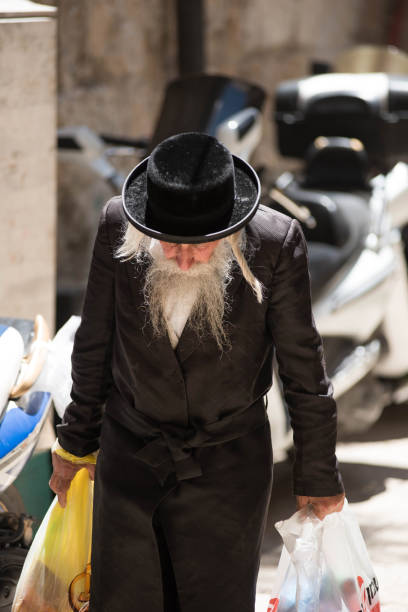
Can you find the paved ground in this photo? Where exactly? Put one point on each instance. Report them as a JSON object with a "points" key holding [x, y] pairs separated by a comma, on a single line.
{"points": [[375, 472]]}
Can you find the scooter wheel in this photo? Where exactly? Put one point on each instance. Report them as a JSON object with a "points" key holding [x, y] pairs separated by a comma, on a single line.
{"points": [[11, 564]]}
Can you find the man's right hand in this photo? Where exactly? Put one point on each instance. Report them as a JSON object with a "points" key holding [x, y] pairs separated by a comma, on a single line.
{"points": [[62, 475]]}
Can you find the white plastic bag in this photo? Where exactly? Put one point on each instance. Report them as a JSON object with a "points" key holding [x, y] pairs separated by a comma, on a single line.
{"points": [[324, 566], [56, 374]]}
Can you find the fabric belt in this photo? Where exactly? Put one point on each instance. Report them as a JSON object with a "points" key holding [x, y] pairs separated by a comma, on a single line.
{"points": [[171, 448]]}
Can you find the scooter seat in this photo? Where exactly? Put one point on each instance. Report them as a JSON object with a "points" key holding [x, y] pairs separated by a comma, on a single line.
{"points": [[342, 225], [324, 261]]}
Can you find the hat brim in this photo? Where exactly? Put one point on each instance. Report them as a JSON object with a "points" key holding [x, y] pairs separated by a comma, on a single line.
{"points": [[247, 194]]}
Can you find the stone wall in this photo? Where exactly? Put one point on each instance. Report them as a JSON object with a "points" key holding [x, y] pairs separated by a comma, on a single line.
{"points": [[27, 161], [115, 58]]}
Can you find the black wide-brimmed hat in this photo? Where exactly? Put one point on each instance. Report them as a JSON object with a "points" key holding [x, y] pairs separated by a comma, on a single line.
{"points": [[189, 190]]}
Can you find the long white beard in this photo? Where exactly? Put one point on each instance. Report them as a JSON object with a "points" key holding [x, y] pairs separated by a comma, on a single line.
{"points": [[201, 288]]}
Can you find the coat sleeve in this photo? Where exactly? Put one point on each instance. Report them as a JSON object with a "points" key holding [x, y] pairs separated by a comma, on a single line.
{"points": [[92, 351], [307, 390]]}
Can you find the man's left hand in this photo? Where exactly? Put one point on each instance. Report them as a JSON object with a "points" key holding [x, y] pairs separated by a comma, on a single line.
{"points": [[322, 506]]}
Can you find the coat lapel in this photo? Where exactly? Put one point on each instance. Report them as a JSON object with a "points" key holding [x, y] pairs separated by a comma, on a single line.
{"points": [[188, 341]]}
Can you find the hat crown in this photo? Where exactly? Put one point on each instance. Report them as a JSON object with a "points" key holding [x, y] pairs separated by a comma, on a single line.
{"points": [[190, 162], [190, 179]]}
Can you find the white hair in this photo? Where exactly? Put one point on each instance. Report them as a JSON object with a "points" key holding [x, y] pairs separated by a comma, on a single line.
{"points": [[235, 241]]}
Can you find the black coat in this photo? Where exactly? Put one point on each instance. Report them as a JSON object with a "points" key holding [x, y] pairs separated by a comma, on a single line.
{"points": [[194, 392], [184, 473]]}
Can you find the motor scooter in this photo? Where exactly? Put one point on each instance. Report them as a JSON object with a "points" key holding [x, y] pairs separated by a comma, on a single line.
{"points": [[351, 198]]}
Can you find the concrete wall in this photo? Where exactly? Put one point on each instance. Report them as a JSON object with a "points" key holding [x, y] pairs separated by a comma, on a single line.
{"points": [[115, 58], [27, 161]]}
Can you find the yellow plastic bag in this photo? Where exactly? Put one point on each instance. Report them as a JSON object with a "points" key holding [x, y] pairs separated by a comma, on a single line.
{"points": [[57, 570]]}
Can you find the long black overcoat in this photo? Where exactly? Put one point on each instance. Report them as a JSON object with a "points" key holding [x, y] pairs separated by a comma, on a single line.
{"points": [[184, 472]]}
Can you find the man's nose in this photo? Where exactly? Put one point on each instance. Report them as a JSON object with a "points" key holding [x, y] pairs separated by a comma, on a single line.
{"points": [[185, 257]]}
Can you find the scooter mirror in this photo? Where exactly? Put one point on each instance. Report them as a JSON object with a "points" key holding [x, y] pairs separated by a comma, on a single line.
{"points": [[241, 132]]}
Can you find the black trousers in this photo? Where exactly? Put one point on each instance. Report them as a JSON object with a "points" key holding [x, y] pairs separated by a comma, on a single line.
{"points": [[188, 546]]}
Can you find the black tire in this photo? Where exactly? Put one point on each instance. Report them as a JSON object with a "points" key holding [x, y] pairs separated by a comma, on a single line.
{"points": [[11, 559], [11, 564], [11, 501]]}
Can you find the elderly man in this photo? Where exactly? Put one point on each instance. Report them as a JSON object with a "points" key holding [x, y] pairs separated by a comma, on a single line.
{"points": [[192, 288]]}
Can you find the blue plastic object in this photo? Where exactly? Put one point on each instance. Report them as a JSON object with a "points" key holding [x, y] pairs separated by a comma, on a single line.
{"points": [[18, 423], [3, 329]]}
